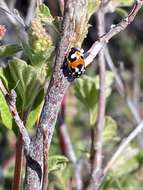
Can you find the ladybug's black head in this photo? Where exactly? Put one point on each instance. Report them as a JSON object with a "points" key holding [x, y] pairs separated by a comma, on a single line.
{"points": [[73, 50], [72, 55]]}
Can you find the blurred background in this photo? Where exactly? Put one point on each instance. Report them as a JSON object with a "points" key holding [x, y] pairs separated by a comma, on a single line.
{"points": [[123, 111]]}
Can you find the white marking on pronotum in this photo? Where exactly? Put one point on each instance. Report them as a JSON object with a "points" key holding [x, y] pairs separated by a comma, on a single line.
{"points": [[73, 56], [82, 50]]}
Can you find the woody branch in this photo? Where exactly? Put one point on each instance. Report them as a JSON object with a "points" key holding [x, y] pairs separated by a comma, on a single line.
{"points": [[103, 40]]}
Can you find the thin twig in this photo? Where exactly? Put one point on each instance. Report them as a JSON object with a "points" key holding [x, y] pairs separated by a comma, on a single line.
{"points": [[98, 45], [136, 85], [96, 165], [61, 4], [18, 164], [134, 111], [71, 155], [30, 12], [11, 101], [102, 96], [137, 92], [122, 147], [121, 88]]}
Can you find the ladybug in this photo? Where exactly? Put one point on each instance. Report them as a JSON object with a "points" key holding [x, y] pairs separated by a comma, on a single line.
{"points": [[74, 64]]}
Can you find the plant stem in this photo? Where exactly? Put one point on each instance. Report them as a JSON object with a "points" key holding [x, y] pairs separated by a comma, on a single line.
{"points": [[45, 158], [18, 164], [96, 150], [19, 158]]}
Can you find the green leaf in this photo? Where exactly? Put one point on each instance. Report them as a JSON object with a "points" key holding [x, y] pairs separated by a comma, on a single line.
{"points": [[110, 130], [3, 77], [60, 179], [43, 12], [121, 12], [87, 91], [28, 81], [27, 50], [7, 50], [57, 162], [42, 58], [38, 59], [35, 113], [5, 114]]}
